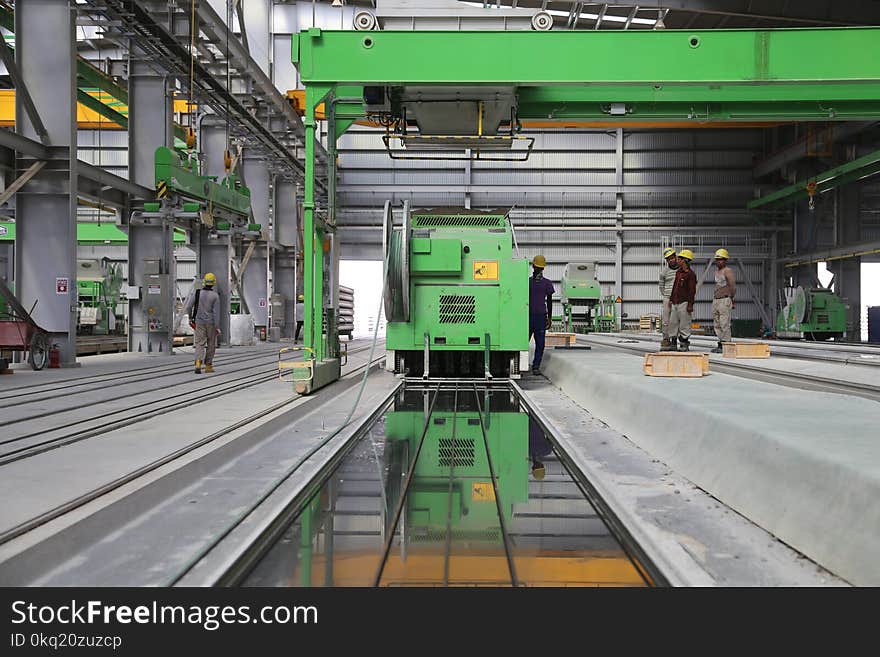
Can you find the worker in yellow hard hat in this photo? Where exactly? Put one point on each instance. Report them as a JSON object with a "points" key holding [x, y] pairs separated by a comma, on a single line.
{"points": [[299, 309], [723, 298], [684, 290], [540, 308], [667, 278], [204, 312]]}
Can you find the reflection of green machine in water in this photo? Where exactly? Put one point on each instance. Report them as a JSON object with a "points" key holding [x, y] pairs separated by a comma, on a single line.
{"points": [[817, 314], [474, 513], [580, 294], [98, 291]]}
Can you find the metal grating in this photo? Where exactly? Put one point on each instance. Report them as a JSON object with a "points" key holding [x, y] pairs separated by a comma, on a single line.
{"points": [[462, 454], [441, 220], [435, 535], [457, 309]]}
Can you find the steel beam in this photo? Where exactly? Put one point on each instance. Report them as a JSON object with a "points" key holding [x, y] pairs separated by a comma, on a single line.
{"points": [[801, 148], [858, 169], [751, 65], [255, 279], [831, 254]]}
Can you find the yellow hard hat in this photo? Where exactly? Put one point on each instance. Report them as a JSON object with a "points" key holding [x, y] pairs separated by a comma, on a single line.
{"points": [[299, 297], [722, 253], [209, 279], [668, 252], [687, 254], [539, 261]]}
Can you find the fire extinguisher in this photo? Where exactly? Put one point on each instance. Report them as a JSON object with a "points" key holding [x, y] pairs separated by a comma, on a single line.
{"points": [[54, 357]]}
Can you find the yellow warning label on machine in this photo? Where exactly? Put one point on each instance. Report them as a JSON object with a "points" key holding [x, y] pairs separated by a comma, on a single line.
{"points": [[482, 491], [486, 271]]}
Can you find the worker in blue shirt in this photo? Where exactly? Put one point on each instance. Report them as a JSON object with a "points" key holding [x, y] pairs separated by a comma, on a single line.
{"points": [[540, 308]]}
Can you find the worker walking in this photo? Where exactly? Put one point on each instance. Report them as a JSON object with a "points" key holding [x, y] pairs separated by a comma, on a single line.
{"points": [[299, 309], [205, 311], [684, 289], [667, 279], [540, 308], [723, 300]]}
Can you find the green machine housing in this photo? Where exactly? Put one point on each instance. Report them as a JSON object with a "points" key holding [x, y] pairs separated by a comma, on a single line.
{"points": [[580, 294], [456, 298], [816, 314]]}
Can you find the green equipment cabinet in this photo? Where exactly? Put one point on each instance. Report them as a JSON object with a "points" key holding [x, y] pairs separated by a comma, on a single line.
{"points": [[98, 286], [580, 294], [456, 298], [815, 314]]}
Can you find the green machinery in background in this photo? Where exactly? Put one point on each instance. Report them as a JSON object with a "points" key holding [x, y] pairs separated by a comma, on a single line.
{"points": [[815, 314], [580, 294], [98, 285], [456, 298]]}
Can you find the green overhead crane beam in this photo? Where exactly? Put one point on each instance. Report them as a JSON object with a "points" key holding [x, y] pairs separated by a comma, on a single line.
{"points": [[844, 174], [174, 175], [727, 75]]}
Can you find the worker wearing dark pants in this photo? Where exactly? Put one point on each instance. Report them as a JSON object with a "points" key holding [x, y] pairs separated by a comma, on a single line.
{"points": [[299, 310], [684, 291], [540, 308]]}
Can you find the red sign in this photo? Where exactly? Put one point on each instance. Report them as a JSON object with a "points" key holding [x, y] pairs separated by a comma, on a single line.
{"points": [[62, 285]]}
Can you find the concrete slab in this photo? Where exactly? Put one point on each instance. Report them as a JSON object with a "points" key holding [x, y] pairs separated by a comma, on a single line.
{"points": [[803, 465], [693, 538]]}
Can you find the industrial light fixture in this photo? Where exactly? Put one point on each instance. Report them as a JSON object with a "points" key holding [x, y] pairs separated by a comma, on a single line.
{"points": [[336, 3]]}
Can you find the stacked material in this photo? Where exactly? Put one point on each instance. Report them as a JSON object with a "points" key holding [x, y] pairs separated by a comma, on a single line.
{"points": [[346, 311]]}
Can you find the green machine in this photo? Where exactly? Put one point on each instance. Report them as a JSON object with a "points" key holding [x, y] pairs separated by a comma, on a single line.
{"points": [[474, 513], [98, 292], [816, 314], [456, 298], [580, 295]]}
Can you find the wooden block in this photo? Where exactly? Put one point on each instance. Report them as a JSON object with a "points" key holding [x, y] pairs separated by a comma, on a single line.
{"points": [[745, 350], [6, 371], [559, 339], [677, 364]]}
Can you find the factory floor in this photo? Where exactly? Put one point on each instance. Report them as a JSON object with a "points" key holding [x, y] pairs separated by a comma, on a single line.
{"points": [[127, 468], [77, 439], [803, 464]]}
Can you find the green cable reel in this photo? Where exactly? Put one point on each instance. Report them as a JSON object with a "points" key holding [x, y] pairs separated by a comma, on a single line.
{"points": [[395, 248]]}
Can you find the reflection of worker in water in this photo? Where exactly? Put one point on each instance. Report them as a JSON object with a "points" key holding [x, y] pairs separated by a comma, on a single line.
{"points": [[299, 309], [539, 447], [540, 308]]}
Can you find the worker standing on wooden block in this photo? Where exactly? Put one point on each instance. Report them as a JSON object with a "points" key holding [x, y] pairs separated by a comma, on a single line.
{"points": [[684, 289], [667, 279], [540, 308], [722, 301]]}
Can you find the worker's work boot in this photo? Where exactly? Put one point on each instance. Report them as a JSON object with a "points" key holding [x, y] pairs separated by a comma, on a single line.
{"points": [[198, 366], [535, 371], [673, 344], [684, 345], [209, 368], [718, 349], [664, 344]]}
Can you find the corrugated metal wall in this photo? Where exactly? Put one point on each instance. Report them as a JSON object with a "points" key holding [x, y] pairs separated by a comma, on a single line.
{"points": [[691, 190]]}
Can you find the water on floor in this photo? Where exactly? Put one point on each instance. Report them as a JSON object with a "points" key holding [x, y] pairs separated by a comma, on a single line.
{"points": [[450, 487]]}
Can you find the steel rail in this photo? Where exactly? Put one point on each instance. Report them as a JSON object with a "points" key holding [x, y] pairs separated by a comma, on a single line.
{"points": [[184, 368], [85, 498], [448, 546], [61, 441], [505, 537], [778, 377], [398, 509], [65, 409]]}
